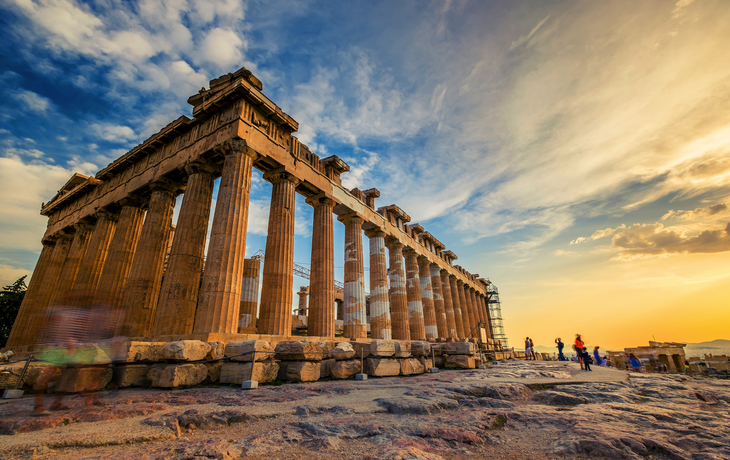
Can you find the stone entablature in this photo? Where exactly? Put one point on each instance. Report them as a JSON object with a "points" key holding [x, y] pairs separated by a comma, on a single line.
{"points": [[235, 128]]}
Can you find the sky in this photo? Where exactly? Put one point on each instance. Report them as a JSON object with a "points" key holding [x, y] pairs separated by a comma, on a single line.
{"points": [[577, 154]]}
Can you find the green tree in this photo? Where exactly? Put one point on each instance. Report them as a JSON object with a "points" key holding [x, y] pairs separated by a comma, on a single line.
{"points": [[10, 299]]}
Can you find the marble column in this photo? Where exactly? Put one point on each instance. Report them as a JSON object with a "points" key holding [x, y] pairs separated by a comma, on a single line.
{"points": [[460, 288], [69, 272], [37, 316], [249, 295], [438, 302], [354, 319], [303, 294], [475, 311], [93, 262], [472, 313], [145, 275], [220, 292], [179, 293], [278, 281], [119, 258], [35, 286], [429, 313], [397, 291], [380, 326], [455, 330], [413, 290], [321, 321], [451, 281]]}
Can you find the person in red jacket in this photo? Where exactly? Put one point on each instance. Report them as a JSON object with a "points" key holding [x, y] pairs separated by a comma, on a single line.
{"points": [[578, 347]]}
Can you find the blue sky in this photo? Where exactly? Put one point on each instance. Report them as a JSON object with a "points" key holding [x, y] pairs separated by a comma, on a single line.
{"points": [[576, 153]]}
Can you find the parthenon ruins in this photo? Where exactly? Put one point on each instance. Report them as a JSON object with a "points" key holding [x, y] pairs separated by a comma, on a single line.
{"points": [[108, 240]]}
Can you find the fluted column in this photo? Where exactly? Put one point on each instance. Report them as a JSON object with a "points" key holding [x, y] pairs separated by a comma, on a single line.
{"points": [[413, 291], [429, 313], [35, 286], [278, 282], [70, 270], [145, 275], [462, 297], [488, 316], [354, 317], [438, 302], [380, 326], [93, 262], [179, 293], [472, 313], [115, 274], [249, 294], [451, 281], [397, 291], [321, 321], [220, 291], [37, 316], [449, 306], [303, 294]]}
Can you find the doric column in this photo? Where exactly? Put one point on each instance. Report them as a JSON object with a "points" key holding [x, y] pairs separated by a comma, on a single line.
{"points": [[488, 317], [397, 291], [475, 311], [438, 302], [413, 289], [380, 327], [93, 262], [472, 316], [321, 321], [462, 298], [278, 282], [115, 274], [145, 275], [220, 292], [35, 286], [179, 294], [37, 316], [451, 281], [449, 306], [303, 294], [354, 318], [249, 294], [429, 313], [70, 270]]}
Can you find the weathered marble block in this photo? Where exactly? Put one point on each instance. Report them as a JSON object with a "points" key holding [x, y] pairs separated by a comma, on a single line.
{"points": [[458, 348], [185, 350], [361, 348], [236, 373], [76, 380], [460, 362], [176, 375], [132, 375], [379, 367], [411, 366], [217, 350], [343, 350], [264, 350], [214, 372], [382, 348], [325, 368], [402, 350], [303, 371], [420, 348], [137, 351], [299, 351], [345, 369], [426, 362], [327, 348]]}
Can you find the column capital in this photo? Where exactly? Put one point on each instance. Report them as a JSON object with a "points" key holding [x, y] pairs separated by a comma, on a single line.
{"points": [[200, 165], [236, 147], [409, 251], [459, 282], [164, 185], [320, 199], [445, 273], [393, 243], [351, 218], [280, 174], [132, 201], [423, 261], [375, 233], [83, 226], [106, 214], [49, 240]]}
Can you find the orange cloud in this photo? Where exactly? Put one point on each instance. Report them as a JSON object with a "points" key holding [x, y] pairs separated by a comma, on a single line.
{"points": [[654, 239]]}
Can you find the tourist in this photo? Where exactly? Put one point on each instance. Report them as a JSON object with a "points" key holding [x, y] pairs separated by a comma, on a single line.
{"points": [[528, 351], [597, 357], [586, 359], [578, 346], [635, 363], [561, 356], [532, 350]]}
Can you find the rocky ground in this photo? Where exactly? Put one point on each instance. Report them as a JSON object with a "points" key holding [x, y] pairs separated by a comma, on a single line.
{"points": [[510, 410]]}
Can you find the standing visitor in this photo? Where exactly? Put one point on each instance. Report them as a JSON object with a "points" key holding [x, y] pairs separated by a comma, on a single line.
{"points": [[578, 346], [597, 357], [560, 343], [635, 363], [586, 359], [528, 353]]}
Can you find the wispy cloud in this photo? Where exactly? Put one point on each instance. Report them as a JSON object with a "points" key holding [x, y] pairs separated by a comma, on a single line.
{"points": [[525, 38]]}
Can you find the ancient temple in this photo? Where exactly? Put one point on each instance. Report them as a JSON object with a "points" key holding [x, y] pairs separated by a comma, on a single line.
{"points": [[108, 240]]}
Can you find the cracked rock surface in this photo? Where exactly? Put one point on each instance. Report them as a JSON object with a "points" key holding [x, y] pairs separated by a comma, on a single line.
{"points": [[515, 410]]}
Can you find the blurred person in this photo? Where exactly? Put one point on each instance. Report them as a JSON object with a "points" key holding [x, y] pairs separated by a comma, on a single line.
{"points": [[578, 346], [561, 345], [528, 353], [532, 350], [635, 363], [597, 357], [586, 357]]}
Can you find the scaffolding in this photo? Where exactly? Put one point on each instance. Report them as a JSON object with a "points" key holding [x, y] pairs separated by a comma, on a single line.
{"points": [[495, 315], [298, 269]]}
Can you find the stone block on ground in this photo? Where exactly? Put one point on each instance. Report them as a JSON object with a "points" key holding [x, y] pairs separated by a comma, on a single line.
{"points": [[411, 366], [379, 367], [420, 348], [325, 368], [217, 350], [263, 349], [327, 348], [361, 348], [176, 375], [458, 348], [132, 352], [299, 351], [185, 350], [460, 362], [303, 371], [76, 380], [345, 369], [342, 351], [236, 373], [214, 372], [382, 348], [439, 361], [426, 362], [402, 350], [132, 375]]}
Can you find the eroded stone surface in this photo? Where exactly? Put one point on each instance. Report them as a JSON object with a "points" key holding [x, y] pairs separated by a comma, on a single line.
{"points": [[382, 348], [299, 351], [177, 375], [343, 350], [381, 367], [185, 350], [345, 369], [244, 351]]}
